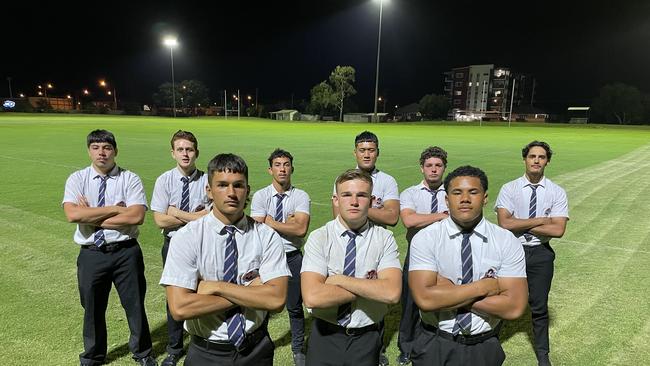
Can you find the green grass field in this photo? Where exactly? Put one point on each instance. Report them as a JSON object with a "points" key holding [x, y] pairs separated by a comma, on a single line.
{"points": [[600, 303]]}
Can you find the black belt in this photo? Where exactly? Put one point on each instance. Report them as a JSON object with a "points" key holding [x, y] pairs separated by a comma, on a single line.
{"points": [[111, 247], [250, 340], [460, 338], [328, 327]]}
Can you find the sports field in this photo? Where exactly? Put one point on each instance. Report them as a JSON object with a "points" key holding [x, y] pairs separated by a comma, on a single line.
{"points": [[599, 303]]}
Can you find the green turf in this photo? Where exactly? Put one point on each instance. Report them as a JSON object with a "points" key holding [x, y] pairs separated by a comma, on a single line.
{"points": [[600, 306]]}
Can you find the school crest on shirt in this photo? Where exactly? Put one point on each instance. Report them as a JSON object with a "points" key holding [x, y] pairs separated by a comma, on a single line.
{"points": [[371, 275], [250, 275]]}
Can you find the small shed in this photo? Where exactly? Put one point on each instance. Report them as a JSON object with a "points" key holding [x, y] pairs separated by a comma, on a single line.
{"points": [[578, 114], [286, 115]]}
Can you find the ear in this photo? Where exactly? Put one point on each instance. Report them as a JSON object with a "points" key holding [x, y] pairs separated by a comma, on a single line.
{"points": [[485, 199], [197, 153], [292, 168], [116, 151], [270, 170], [335, 200], [208, 192]]}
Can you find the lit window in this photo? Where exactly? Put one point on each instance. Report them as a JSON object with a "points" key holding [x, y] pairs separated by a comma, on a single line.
{"points": [[458, 92], [470, 83]]}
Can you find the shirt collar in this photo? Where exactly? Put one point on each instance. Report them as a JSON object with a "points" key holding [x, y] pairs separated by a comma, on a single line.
{"points": [[526, 182], [373, 173], [275, 191], [179, 174], [423, 185], [113, 173], [341, 229], [454, 230], [241, 226]]}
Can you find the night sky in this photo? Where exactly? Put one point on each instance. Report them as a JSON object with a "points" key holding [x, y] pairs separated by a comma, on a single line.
{"points": [[286, 47]]}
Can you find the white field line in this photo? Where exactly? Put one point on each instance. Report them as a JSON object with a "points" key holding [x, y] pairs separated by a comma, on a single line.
{"points": [[603, 246]]}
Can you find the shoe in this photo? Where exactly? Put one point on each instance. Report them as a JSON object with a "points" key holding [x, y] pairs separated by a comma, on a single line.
{"points": [[171, 360], [543, 360], [147, 361], [299, 359], [383, 360], [403, 359]]}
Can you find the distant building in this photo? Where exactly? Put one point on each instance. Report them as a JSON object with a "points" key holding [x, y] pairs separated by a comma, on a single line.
{"points": [[485, 91]]}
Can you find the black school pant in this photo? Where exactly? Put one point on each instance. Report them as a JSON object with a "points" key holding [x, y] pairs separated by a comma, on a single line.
{"points": [[260, 354], [330, 348], [410, 313], [431, 349], [539, 270], [294, 302], [96, 271], [174, 327]]}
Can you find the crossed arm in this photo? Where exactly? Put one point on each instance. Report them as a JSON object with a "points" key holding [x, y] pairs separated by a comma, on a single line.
{"points": [[175, 217], [107, 217], [552, 227], [296, 224], [504, 297], [219, 296], [319, 291], [414, 220]]}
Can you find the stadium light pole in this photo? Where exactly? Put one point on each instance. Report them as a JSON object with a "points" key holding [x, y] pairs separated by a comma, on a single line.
{"points": [[171, 43], [381, 9]]}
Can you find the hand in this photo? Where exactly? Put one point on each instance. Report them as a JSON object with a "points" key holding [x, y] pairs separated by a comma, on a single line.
{"points": [[257, 281], [333, 279], [208, 288], [490, 286], [291, 219], [377, 202], [268, 219], [172, 210], [82, 201]]}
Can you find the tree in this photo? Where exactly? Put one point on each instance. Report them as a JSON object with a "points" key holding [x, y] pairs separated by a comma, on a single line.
{"points": [[619, 103], [434, 106], [189, 94], [322, 97], [341, 80]]}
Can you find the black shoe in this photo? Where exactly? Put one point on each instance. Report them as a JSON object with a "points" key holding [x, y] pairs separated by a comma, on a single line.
{"points": [[171, 360], [147, 361], [543, 360], [403, 359], [383, 360]]}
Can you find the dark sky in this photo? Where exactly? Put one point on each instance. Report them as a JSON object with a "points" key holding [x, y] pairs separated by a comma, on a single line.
{"points": [[285, 47]]}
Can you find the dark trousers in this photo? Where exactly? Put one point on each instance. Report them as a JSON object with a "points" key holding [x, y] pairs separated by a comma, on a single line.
{"points": [[96, 271], [539, 269], [431, 349], [174, 327], [294, 302], [410, 313], [260, 354], [331, 348]]}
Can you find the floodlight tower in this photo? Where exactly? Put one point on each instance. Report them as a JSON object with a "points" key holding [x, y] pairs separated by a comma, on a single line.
{"points": [[381, 8], [171, 43]]}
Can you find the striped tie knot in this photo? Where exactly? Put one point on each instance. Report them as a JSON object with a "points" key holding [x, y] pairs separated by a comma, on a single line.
{"points": [[279, 214], [434, 199], [230, 256]]}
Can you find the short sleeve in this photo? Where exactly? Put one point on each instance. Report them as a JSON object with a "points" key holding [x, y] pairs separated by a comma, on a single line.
{"points": [[505, 199], [135, 194], [390, 255], [274, 260], [422, 256], [406, 200], [160, 196], [73, 188], [314, 259], [514, 261], [302, 202], [560, 206], [258, 205], [181, 266], [392, 192]]}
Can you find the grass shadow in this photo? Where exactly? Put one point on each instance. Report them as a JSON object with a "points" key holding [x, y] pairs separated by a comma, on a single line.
{"points": [[158, 340]]}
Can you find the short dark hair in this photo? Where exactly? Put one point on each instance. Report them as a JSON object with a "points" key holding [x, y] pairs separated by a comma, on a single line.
{"points": [[279, 153], [366, 136], [542, 144], [101, 136], [433, 152], [185, 135], [467, 171], [229, 163], [352, 174]]}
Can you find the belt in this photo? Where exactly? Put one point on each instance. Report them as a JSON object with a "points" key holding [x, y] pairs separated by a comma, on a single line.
{"points": [[335, 328], [460, 338], [111, 247], [250, 340]]}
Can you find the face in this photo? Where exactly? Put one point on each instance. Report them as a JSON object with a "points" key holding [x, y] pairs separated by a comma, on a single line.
{"points": [[185, 153], [353, 200], [366, 154], [536, 161], [102, 155], [433, 170], [465, 199], [228, 191], [281, 170]]}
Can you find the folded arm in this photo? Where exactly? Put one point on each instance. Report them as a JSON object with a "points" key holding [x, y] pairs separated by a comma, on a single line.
{"points": [[296, 224], [386, 288], [387, 215], [186, 304], [413, 220], [81, 213], [132, 215], [432, 292], [317, 294], [270, 295], [510, 303], [553, 229]]}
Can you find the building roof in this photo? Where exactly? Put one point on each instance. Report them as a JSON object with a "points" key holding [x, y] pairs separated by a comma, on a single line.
{"points": [[409, 108]]}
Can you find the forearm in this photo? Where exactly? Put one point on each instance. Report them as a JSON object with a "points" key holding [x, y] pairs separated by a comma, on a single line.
{"points": [[418, 221], [186, 217], [551, 230], [381, 290], [192, 305], [90, 215], [521, 225], [165, 221], [325, 296], [133, 215], [262, 297], [287, 228], [383, 216], [501, 306], [437, 297]]}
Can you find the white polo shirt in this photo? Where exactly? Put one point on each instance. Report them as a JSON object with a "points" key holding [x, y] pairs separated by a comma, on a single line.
{"points": [[437, 248], [418, 199], [264, 203], [122, 187], [325, 254], [384, 188], [168, 191], [552, 201], [197, 252]]}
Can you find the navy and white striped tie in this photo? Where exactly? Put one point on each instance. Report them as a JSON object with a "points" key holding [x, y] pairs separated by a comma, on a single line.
{"points": [[532, 208], [234, 318], [99, 238], [185, 195], [279, 207], [464, 316], [344, 313]]}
